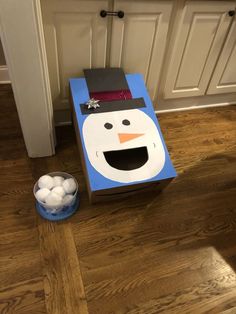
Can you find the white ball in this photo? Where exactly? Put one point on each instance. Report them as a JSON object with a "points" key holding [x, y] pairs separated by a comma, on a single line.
{"points": [[45, 182], [67, 200], [57, 180], [69, 185], [41, 194], [53, 199], [59, 190]]}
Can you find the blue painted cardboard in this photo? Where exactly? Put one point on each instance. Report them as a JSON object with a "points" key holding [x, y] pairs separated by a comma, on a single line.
{"points": [[137, 87]]}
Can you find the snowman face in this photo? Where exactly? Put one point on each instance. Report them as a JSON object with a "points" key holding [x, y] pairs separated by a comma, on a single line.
{"points": [[124, 146]]}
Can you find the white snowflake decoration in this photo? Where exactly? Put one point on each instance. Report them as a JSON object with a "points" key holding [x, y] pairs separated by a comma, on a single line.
{"points": [[92, 103]]}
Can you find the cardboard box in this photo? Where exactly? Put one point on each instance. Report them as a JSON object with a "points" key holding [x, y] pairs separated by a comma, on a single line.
{"points": [[121, 145]]}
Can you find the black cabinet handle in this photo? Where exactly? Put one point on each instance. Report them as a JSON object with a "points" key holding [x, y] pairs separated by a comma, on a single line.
{"points": [[120, 14], [231, 13]]}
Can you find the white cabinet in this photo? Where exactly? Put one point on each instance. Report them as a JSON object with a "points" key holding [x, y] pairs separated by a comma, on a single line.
{"points": [[76, 38], [138, 40], [198, 59], [224, 76], [202, 30]]}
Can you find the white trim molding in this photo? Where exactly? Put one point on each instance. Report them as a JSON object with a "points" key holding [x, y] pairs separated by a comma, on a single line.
{"points": [[186, 103], [4, 76], [194, 108], [23, 43], [63, 117]]}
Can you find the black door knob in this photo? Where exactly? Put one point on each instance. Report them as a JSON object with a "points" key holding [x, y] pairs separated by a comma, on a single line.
{"points": [[231, 13], [120, 14], [103, 13]]}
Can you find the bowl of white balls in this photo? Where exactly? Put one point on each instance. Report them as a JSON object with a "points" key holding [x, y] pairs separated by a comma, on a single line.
{"points": [[56, 195]]}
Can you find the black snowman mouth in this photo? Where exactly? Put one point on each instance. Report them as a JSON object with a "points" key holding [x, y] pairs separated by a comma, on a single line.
{"points": [[127, 159]]}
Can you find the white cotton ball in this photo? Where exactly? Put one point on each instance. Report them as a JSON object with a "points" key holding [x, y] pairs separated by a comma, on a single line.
{"points": [[67, 200], [59, 190], [57, 180], [53, 199], [41, 194], [45, 182], [69, 185]]}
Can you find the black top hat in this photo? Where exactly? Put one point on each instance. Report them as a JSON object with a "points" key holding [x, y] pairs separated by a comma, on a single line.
{"points": [[106, 80]]}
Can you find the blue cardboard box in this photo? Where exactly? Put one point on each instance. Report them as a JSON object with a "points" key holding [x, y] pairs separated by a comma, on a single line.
{"points": [[122, 149]]}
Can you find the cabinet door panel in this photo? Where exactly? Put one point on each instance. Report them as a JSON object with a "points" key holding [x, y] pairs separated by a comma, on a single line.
{"points": [[76, 38], [224, 77], [198, 41], [139, 39], [133, 46]]}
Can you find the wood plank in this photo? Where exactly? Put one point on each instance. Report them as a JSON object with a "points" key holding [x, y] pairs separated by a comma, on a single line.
{"points": [[19, 257], [64, 290], [23, 298], [62, 276]]}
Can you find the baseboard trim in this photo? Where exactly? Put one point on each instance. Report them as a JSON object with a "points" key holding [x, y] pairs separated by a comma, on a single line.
{"points": [[195, 107], [4, 76], [63, 117], [65, 123]]}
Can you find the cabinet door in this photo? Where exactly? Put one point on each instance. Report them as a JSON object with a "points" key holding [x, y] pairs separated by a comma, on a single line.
{"points": [[224, 77], [76, 38], [138, 40], [198, 41]]}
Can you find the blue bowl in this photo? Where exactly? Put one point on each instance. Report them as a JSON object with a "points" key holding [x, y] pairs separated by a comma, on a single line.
{"points": [[66, 212], [60, 212]]}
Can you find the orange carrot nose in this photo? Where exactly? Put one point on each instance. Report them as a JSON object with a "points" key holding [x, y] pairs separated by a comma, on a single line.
{"points": [[124, 137]]}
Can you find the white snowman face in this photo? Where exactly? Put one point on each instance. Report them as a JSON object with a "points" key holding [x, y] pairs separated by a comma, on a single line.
{"points": [[124, 146]]}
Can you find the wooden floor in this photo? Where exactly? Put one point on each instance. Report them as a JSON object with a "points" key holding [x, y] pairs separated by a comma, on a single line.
{"points": [[168, 253]]}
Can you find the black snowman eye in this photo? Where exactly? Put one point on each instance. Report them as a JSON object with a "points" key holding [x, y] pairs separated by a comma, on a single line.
{"points": [[126, 122], [108, 125]]}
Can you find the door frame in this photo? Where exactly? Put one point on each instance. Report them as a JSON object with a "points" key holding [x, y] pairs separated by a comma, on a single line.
{"points": [[21, 32]]}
